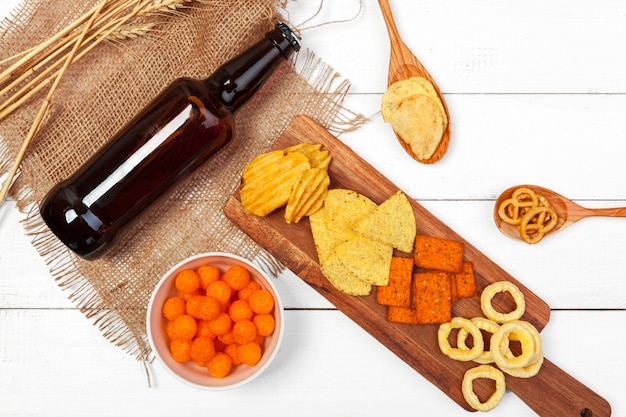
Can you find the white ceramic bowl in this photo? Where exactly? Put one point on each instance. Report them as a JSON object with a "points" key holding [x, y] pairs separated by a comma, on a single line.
{"points": [[189, 372]]}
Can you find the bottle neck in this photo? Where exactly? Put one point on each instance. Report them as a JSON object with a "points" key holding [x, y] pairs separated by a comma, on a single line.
{"points": [[236, 81]]}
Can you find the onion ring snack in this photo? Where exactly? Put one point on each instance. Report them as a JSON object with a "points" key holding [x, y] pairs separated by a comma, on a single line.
{"points": [[485, 324], [501, 340], [458, 353], [502, 286], [483, 371]]}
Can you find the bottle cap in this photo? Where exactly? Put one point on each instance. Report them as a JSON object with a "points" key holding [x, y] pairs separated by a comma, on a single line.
{"points": [[288, 34]]}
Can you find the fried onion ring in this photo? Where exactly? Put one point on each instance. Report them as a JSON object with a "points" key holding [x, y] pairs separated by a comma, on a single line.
{"points": [[501, 286], [501, 339], [458, 353], [483, 371], [485, 324]]}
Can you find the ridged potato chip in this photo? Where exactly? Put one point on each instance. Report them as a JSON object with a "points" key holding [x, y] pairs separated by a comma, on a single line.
{"points": [[261, 165], [271, 184], [307, 195], [318, 158]]}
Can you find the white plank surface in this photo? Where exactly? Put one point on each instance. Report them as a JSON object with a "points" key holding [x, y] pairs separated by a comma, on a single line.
{"points": [[536, 91]]}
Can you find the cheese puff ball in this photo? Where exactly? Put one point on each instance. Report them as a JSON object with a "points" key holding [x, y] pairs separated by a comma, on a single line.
{"points": [[232, 350], [181, 350], [219, 290], [237, 277], [187, 281], [244, 331], [203, 307], [227, 338], [202, 349], [204, 330], [240, 310], [251, 286], [265, 324], [220, 365], [250, 353], [174, 307], [261, 301], [207, 275], [221, 324], [181, 328]]}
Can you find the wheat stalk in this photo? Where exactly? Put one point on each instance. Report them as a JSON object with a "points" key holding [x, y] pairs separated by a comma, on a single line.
{"points": [[47, 62]]}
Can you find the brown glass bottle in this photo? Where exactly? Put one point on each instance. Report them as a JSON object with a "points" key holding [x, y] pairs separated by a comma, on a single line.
{"points": [[179, 130]]}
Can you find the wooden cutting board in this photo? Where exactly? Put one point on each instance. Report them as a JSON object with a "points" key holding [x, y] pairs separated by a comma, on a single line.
{"points": [[552, 392]]}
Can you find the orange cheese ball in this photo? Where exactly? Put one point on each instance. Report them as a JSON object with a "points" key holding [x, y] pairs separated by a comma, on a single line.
{"points": [[250, 353], [232, 350], [187, 281], [240, 310], [220, 365], [237, 277], [203, 307], [219, 290], [203, 329], [261, 301], [181, 350], [244, 331], [202, 349], [173, 307], [182, 328], [265, 324], [221, 324], [207, 275], [227, 338], [244, 293]]}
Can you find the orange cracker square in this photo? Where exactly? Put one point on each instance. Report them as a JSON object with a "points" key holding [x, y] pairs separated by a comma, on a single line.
{"points": [[398, 292], [401, 315], [438, 254], [463, 283], [431, 291]]}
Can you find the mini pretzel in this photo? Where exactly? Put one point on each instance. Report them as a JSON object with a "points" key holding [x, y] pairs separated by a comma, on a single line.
{"points": [[536, 223], [513, 209]]}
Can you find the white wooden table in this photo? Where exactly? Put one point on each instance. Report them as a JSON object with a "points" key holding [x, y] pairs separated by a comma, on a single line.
{"points": [[537, 94]]}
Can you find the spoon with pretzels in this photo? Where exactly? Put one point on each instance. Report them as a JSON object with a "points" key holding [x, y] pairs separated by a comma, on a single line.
{"points": [[529, 212], [404, 64]]}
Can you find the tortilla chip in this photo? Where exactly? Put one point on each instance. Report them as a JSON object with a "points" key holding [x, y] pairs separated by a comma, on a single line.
{"points": [[367, 259], [392, 223], [342, 279], [398, 292], [343, 208], [437, 253], [431, 291]]}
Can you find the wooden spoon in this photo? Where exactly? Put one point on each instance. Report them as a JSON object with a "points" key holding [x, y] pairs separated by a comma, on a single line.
{"points": [[566, 210], [402, 65]]}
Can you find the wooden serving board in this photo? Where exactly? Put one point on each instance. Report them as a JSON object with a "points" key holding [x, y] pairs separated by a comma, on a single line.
{"points": [[552, 392]]}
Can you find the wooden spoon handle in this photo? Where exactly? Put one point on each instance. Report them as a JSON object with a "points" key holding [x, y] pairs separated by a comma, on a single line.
{"points": [[394, 37], [577, 213]]}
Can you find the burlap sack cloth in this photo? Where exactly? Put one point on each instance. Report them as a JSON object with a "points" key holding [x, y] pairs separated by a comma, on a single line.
{"points": [[104, 90]]}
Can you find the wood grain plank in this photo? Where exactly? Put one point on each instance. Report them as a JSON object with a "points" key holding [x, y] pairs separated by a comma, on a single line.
{"points": [[416, 345]]}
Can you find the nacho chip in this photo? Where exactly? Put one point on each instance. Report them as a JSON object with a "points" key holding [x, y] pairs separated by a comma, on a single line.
{"points": [[367, 259], [398, 292], [343, 279], [343, 208], [392, 223], [431, 291], [437, 253]]}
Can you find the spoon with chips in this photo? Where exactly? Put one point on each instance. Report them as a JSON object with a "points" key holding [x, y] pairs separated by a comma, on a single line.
{"points": [[404, 65], [517, 212]]}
